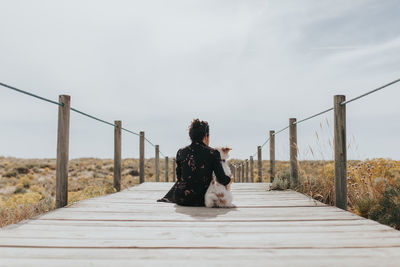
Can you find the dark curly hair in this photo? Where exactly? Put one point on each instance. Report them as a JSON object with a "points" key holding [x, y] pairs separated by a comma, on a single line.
{"points": [[198, 130]]}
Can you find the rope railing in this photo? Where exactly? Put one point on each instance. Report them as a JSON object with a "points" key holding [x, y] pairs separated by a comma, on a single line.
{"points": [[313, 116], [92, 117], [75, 110], [112, 124], [340, 146], [64, 108], [370, 92], [330, 109], [30, 94], [153, 145]]}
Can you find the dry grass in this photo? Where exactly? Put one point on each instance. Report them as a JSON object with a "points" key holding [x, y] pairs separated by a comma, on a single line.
{"points": [[27, 186], [373, 185]]}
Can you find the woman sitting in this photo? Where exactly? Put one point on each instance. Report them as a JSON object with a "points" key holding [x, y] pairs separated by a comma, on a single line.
{"points": [[195, 165]]}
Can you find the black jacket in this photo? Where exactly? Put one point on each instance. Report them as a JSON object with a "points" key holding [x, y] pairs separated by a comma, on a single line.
{"points": [[195, 165]]}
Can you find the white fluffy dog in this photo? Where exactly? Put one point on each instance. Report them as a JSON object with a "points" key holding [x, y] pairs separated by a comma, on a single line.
{"points": [[217, 196]]}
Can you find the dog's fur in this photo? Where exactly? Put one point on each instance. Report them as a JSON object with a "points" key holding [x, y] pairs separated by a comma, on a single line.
{"points": [[217, 196]]}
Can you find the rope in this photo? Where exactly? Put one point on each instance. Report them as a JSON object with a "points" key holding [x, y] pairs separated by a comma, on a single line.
{"points": [[281, 130], [370, 92], [312, 116], [75, 110], [112, 124], [109, 123], [30, 94], [265, 142], [129, 131], [330, 109], [92, 117], [148, 141]]}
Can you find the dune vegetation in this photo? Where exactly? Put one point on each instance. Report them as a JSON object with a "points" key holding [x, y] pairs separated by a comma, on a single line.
{"points": [[28, 186], [373, 186]]}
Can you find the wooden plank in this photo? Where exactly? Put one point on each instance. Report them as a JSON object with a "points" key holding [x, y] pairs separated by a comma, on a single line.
{"points": [[62, 151], [200, 257], [267, 227]]}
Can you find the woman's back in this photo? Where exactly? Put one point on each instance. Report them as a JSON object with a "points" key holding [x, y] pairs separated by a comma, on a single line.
{"points": [[195, 165]]}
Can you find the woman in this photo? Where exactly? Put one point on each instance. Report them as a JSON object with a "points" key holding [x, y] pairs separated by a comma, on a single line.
{"points": [[195, 165]]}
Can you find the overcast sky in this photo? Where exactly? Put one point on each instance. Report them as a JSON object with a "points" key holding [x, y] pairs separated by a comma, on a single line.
{"points": [[243, 66]]}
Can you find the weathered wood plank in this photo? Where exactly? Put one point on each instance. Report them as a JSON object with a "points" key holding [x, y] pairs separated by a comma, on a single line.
{"points": [[199, 257], [267, 227]]}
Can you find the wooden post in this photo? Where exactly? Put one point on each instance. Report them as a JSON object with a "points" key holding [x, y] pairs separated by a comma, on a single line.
{"points": [[117, 155], [62, 151], [239, 172], [243, 177], [247, 171], [252, 169], [236, 174], [259, 154], [166, 169], [174, 170], [157, 163], [340, 152], [141, 160], [294, 172], [271, 156]]}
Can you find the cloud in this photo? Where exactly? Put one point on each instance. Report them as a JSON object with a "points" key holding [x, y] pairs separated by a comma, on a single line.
{"points": [[245, 66]]}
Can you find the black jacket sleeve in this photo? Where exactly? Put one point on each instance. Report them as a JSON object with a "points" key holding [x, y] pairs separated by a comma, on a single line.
{"points": [[178, 165], [218, 170]]}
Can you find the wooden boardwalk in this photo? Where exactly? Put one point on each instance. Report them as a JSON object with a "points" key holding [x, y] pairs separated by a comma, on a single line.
{"points": [[267, 228]]}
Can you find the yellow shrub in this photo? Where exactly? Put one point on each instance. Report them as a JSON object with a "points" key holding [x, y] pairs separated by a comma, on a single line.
{"points": [[24, 182], [89, 192], [23, 199], [37, 189]]}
